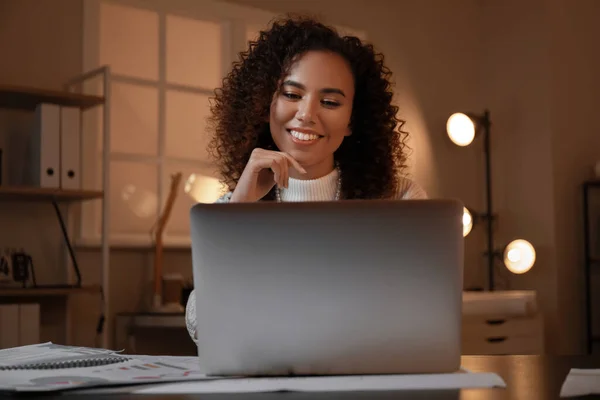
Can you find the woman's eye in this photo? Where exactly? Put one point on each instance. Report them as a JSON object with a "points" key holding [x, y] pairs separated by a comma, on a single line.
{"points": [[330, 103], [290, 95]]}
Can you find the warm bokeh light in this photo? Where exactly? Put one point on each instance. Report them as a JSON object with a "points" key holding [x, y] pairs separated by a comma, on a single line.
{"points": [[461, 129], [519, 256], [142, 203], [203, 189], [467, 221]]}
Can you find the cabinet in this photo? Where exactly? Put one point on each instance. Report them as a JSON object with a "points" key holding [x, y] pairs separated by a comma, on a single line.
{"points": [[59, 296], [501, 322], [502, 334], [591, 239]]}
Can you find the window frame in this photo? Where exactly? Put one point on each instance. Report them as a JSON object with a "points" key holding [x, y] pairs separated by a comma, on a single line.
{"points": [[234, 20]]}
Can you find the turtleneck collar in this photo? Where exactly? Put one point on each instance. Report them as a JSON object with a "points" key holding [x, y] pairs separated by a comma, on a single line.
{"points": [[320, 189]]}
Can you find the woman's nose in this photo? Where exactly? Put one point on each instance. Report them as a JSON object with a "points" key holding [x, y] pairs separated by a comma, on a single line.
{"points": [[306, 111]]}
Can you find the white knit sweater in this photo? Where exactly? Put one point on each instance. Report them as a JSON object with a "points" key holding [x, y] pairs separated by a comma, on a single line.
{"points": [[321, 189]]}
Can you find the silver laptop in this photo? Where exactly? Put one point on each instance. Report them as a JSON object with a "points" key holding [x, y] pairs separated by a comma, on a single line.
{"points": [[328, 288]]}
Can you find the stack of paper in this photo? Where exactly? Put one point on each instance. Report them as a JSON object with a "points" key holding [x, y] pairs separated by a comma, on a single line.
{"points": [[581, 382], [458, 380], [161, 372], [41, 367]]}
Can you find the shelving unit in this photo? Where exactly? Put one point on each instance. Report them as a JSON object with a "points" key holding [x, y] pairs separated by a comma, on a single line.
{"points": [[27, 99], [592, 261], [48, 291], [12, 193]]}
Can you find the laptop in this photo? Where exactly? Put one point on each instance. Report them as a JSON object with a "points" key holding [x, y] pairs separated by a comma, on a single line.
{"points": [[328, 288]]}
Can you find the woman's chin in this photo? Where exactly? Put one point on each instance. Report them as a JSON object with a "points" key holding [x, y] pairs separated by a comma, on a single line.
{"points": [[304, 159]]}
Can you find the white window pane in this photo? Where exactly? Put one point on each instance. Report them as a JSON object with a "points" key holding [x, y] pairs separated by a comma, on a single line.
{"points": [[129, 40], [193, 52], [186, 135], [197, 185], [134, 119], [133, 197]]}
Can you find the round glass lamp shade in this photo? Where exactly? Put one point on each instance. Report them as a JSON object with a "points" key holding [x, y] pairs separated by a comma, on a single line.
{"points": [[467, 221], [202, 189], [519, 256], [460, 129]]}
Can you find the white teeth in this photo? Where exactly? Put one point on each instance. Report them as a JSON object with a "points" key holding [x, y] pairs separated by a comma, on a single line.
{"points": [[303, 136]]}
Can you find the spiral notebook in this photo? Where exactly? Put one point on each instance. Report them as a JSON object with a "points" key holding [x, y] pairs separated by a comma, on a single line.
{"points": [[70, 362], [48, 367], [53, 356]]}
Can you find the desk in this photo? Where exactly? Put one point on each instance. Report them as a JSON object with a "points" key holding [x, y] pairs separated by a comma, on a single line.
{"points": [[527, 377]]}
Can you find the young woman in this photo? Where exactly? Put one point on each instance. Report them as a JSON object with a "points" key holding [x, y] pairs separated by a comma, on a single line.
{"points": [[307, 115]]}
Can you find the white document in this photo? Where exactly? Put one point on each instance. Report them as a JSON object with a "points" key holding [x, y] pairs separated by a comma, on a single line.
{"points": [[458, 380], [70, 148], [581, 382]]}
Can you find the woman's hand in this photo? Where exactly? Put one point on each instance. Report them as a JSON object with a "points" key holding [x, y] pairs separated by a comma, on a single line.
{"points": [[264, 170]]}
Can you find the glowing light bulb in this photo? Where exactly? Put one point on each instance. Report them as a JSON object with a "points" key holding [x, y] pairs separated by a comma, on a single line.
{"points": [[467, 221], [519, 256], [460, 129]]}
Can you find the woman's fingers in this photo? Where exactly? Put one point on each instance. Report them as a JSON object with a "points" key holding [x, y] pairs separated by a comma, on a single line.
{"points": [[278, 162], [294, 163], [285, 173], [275, 167], [261, 159]]}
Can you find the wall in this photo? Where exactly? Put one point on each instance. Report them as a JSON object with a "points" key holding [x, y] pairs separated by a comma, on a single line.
{"points": [[576, 147], [41, 46], [542, 86], [530, 62], [428, 91], [433, 50], [45, 57], [40, 41], [517, 87]]}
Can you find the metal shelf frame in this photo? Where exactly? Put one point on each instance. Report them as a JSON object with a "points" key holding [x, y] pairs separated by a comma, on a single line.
{"points": [[105, 325]]}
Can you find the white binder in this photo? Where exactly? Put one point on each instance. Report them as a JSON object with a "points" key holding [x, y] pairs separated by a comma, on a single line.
{"points": [[45, 147], [70, 148]]}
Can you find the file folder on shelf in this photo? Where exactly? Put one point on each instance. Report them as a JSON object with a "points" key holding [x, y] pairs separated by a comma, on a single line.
{"points": [[70, 148]]}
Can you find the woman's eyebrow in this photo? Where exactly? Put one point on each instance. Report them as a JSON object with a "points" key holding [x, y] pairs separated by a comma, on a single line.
{"points": [[298, 85]]}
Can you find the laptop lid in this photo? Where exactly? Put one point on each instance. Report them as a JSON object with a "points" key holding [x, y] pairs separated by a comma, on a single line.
{"points": [[347, 287]]}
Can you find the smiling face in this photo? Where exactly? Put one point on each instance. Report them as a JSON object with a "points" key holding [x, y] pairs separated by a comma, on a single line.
{"points": [[310, 114]]}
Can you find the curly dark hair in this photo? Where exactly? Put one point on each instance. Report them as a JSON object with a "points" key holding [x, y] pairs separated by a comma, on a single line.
{"points": [[370, 159]]}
